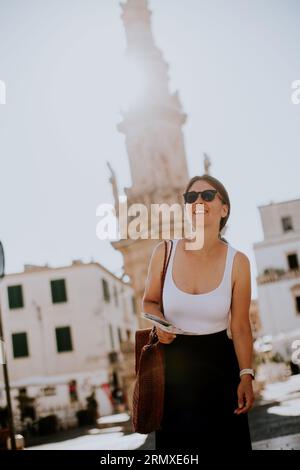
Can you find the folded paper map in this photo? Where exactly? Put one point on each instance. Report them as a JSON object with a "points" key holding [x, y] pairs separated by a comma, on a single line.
{"points": [[165, 325]]}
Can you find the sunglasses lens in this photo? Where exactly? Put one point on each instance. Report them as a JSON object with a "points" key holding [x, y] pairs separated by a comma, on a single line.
{"points": [[208, 195], [190, 197]]}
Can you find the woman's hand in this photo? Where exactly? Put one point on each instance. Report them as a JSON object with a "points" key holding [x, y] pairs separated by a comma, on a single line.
{"points": [[165, 337], [245, 395]]}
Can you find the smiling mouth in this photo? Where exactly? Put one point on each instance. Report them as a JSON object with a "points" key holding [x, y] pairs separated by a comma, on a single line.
{"points": [[200, 212]]}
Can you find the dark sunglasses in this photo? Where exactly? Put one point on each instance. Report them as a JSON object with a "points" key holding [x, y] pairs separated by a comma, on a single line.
{"points": [[207, 195]]}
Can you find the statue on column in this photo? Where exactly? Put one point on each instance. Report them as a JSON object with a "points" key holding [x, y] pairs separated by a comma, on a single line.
{"points": [[207, 163], [113, 181]]}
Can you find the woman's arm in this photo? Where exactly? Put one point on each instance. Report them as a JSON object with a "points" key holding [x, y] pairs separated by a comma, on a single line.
{"points": [[151, 297], [241, 329]]}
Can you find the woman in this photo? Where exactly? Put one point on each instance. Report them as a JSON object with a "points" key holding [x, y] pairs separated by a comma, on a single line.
{"points": [[207, 291]]}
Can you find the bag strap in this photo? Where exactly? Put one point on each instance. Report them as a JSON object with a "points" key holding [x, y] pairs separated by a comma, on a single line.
{"points": [[153, 338], [163, 275]]}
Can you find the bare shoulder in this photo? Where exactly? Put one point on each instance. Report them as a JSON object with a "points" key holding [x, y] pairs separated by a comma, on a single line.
{"points": [[159, 248], [241, 260], [157, 257], [158, 251], [241, 265]]}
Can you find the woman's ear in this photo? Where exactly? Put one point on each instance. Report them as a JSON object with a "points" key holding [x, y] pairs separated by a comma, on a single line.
{"points": [[225, 210]]}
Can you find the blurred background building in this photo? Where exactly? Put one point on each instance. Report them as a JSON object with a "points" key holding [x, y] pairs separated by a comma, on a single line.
{"points": [[277, 258], [68, 333], [255, 320]]}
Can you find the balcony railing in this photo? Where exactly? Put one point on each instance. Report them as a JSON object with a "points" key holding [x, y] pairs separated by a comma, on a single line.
{"points": [[275, 275], [127, 347]]}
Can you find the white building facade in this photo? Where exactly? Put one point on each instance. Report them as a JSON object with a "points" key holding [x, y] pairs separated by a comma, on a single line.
{"points": [[277, 259], [64, 329]]}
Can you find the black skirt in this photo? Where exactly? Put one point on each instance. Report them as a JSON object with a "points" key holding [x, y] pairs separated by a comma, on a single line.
{"points": [[201, 381]]}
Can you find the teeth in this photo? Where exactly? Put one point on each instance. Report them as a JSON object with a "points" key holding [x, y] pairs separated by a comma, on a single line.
{"points": [[200, 211]]}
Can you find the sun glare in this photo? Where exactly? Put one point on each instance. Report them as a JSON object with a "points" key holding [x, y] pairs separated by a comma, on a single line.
{"points": [[132, 84]]}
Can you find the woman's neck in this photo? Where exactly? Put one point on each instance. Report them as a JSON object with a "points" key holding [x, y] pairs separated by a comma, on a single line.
{"points": [[209, 246]]}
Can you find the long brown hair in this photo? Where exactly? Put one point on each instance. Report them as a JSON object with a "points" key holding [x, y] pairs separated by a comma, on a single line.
{"points": [[221, 189]]}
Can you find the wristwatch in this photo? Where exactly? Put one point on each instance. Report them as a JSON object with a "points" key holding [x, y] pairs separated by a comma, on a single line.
{"points": [[247, 371]]}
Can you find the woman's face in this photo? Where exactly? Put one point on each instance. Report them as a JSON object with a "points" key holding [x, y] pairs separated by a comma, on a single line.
{"points": [[213, 210]]}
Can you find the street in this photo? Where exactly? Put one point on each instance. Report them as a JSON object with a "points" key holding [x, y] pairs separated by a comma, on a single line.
{"points": [[274, 424]]}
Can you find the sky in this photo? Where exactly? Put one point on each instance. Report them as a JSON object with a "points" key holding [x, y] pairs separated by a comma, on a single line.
{"points": [[233, 63]]}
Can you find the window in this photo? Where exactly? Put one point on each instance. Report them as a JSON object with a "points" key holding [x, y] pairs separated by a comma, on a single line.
{"points": [[295, 290], [63, 339], [120, 335], [116, 296], [58, 291], [133, 304], [15, 297], [293, 261], [111, 334], [106, 293], [20, 345], [297, 298], [287, 223]]}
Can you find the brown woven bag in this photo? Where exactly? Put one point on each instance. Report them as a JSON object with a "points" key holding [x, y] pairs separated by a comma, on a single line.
{"points": [[149, 387]]}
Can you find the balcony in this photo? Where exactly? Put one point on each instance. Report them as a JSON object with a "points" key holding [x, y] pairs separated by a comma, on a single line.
{"points": [[277, 274], [127, 347]]}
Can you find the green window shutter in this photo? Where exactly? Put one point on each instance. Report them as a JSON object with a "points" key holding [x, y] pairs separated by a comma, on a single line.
{"points": [[20, 345], [116, 296], [63, 339], [133, 304], [15, 297], [112, 343], [120, 335], [298, 303], [58, 291], [106, 293]]}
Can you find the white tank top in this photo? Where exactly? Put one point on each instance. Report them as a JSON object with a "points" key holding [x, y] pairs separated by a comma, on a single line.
{"points": [[199, 313]]}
